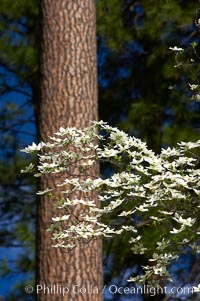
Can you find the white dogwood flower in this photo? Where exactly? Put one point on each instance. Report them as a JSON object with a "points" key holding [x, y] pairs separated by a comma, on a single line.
{"points": [[143, 189], [193, 86], [184, 221], [177, 49], [60, 219]]}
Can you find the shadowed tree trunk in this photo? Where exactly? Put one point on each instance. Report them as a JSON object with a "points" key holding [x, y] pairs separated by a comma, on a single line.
{"points": [[68, 98]]}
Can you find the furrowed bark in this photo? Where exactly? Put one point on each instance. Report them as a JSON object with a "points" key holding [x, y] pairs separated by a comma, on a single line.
{"points": [[68, 97]]}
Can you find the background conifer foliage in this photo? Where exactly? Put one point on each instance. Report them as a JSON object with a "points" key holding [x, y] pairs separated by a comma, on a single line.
{"points": [[48, 79]]}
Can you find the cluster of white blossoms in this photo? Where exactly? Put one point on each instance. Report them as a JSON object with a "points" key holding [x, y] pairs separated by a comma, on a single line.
{"points": [[180, 62], [154, 199]]}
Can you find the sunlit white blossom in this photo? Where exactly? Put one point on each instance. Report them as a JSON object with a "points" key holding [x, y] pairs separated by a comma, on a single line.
{"points": [[144, 191], [175, 48], [47, 190], [196, 288], [33, 147], [60, 219], [184, 221], [193, 86]]}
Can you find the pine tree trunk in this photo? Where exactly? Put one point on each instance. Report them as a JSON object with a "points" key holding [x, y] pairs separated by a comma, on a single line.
{"points": [[68, 98]]}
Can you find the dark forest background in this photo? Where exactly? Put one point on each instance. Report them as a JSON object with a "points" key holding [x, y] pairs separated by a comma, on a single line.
{"points": [[140, 91]]}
